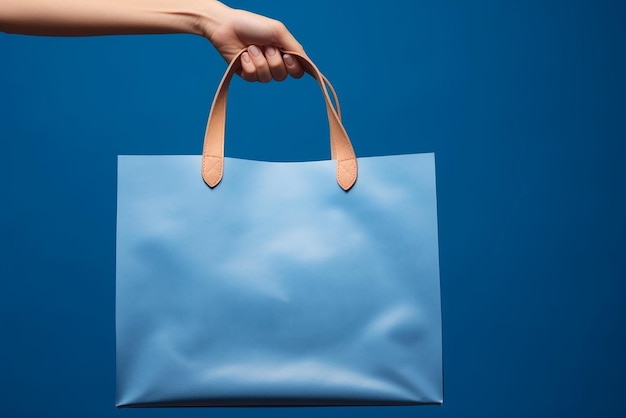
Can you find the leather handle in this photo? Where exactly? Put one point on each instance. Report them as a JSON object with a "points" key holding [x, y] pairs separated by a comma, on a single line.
{"points": [[213, 151]]}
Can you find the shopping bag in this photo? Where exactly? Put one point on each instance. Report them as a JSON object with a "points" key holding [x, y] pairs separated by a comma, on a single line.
{"points": [[281, 283]]}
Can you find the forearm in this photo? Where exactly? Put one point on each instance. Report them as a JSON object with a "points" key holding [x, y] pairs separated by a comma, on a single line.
{"points": [[108, 17], [229, 30]]}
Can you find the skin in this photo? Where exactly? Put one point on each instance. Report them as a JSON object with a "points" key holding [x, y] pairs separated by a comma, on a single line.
{"points": [[229, 30]]}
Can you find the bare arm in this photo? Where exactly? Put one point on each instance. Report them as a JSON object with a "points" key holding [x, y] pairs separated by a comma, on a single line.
{"points": [[229, 30]]}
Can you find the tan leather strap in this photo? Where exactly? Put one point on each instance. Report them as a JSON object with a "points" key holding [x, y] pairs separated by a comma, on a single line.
{"points": [[213, 151], [335, 98]]}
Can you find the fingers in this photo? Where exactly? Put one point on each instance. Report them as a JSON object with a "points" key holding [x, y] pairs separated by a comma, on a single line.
{"points": [[276, 64], [293, 66], [268, 64], [286, 40], [258, 61]]}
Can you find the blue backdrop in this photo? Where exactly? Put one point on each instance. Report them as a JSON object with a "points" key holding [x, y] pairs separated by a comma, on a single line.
{"points": [[522, 102]]}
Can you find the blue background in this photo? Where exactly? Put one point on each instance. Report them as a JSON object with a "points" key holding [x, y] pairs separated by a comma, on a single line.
{"points": [[522, 102]]}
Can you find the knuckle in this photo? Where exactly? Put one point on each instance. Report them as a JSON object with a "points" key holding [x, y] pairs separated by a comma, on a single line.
{"points": [[278, 25]]}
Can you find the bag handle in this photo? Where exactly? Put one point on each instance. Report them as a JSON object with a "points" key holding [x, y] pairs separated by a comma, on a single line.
{"points": [[213, 150]]}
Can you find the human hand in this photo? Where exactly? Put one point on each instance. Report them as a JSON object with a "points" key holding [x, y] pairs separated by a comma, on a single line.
{"points": [[231, 30]]}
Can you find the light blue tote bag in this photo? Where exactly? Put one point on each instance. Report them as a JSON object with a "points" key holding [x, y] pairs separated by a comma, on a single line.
{"points": [[284, 284]]}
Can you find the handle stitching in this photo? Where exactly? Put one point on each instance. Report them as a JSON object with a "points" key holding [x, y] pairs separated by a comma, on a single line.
{"points": [[214, 166], [350, 171]]}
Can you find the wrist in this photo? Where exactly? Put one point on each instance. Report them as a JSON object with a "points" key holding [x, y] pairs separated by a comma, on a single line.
{"points": [[206, 16]]}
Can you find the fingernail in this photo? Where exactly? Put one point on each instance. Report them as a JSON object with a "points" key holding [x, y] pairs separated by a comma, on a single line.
{"points": [[270, 50], [288, 59], [254, 50]]}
